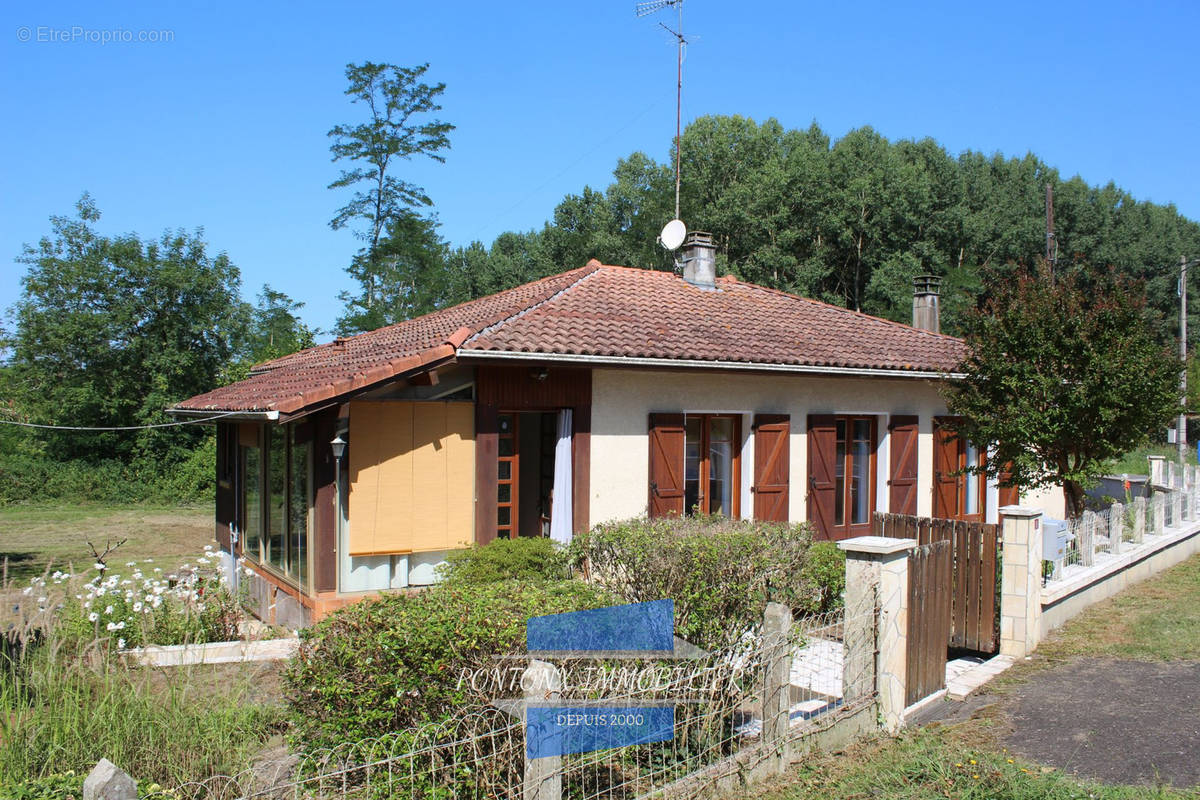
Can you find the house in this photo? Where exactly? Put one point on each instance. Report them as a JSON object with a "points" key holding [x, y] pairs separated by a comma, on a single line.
{"points": [[597, 394]]}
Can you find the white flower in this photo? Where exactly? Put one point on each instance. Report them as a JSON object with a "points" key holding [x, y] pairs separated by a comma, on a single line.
{"points": [[137, 606], [97, 565], [200, 606], [92, 617], [156, 602], [41, 599], [148, 561], [120, 644], [108, 609], [249, 572], [27, 590], [158, 569], [126, 582], [112, 626], [131, 563], [87, 603], [208, 547]]}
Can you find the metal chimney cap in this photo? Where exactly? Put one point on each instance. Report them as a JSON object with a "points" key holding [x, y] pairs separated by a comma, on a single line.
{"points": [[927, 284]]}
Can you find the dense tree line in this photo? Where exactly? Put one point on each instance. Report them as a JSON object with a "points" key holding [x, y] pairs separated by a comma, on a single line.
{"points": [[849, 222], [109, 332]]}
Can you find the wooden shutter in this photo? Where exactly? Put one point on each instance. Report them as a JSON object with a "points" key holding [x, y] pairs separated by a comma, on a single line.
{"points": [[666, 465], [945, 464], [822, 455], [904, 464], [771, 454], [1008, 495]]}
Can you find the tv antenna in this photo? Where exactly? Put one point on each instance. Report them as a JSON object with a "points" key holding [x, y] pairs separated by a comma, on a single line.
{"points": [[643, 10]]}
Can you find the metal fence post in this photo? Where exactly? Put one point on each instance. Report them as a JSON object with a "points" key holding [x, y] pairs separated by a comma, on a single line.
{"points": [[777, 701], [541, 683]]}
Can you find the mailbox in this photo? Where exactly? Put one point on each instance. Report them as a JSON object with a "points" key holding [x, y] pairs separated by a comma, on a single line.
{"points": [[1056, 540]]}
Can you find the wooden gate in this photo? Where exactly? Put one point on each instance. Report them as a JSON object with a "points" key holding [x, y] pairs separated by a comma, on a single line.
{"points": [[972, 581], [928, 619]]}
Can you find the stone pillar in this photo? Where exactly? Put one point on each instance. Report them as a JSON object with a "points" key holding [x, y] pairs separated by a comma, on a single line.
{"points": [[1188, 491], [1021, 581], [1176, 501], [107, 781], [777, 701], [1157, 470], [1116, 527], [1158, 509], [878, 565], [1139, 520], [541, 683]]}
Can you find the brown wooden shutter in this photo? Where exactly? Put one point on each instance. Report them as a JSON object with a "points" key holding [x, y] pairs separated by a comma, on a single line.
{"points": [[771, 461], [1008, 495], [945, 464], [666, 465], [904, 465], [822, 455]]}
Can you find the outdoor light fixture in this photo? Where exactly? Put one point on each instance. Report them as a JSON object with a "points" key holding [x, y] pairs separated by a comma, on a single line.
{"points": [[338, 445], [539, 373]]}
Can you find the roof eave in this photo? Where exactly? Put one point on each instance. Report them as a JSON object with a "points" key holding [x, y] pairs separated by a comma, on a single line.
{"points": [[693, 363]]}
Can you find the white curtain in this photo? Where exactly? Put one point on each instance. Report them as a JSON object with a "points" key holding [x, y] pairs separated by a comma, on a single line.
{"points": [[562, 510]]}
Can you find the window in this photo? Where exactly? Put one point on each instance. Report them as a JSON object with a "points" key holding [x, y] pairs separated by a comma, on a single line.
{"points": [[854, 488], [711, 464], [276, 502], [841, 474]]}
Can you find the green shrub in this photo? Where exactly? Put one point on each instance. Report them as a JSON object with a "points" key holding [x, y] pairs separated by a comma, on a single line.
{"points": [[525, 558], [721, 573], [62, 786], [822, 579], [29, 476], [397, 661]]}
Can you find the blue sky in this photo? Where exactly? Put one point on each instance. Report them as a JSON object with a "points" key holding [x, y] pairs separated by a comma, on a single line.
{"points": [[224, 125]]}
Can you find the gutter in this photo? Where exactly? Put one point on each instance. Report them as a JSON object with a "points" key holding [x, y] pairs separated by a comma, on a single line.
{"points": [[694, 363], [234, 416]]}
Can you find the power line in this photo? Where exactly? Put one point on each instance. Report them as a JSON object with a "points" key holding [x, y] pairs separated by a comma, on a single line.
{"points": [[116, 427]]}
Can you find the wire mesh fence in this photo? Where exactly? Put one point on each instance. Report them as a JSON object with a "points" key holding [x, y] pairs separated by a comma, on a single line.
{"points": [[716, 702], [1096, 537]]}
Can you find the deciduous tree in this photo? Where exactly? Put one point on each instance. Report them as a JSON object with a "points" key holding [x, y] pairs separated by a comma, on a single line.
{"points": [[1060, 378]]}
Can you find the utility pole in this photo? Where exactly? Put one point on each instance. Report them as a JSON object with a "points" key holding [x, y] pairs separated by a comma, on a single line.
{"points": [[1051, 244], [1181, 424]]}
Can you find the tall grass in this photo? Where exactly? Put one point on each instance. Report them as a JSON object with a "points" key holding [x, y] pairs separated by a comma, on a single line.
{"points": [[65, 707], [68, 699]]}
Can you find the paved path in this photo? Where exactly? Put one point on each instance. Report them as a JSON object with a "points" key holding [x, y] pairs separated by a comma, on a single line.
{"points": [[1130, 722], [1117, 722]]}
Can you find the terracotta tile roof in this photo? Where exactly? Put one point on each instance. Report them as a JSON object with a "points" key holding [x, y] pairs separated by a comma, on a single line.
{"points": [[598, 310]]}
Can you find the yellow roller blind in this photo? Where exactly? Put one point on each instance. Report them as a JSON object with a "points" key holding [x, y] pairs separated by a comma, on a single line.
{"points": [[412, 476]]}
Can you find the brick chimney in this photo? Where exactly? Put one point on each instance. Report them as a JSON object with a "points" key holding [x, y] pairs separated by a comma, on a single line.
{"points": [[926, 292]]}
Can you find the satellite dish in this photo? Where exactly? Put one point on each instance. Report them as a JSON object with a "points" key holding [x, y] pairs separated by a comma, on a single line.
{"points": [[672, 234]]}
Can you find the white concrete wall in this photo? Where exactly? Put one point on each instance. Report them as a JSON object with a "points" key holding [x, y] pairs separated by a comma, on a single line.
{"points": [[1050, 500], [622, 401]]}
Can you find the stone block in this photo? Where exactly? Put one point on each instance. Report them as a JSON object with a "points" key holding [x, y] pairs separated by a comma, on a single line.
{"points": [[107, 781]]}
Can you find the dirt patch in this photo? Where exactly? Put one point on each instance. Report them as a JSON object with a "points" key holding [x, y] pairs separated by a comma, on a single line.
{"points": [[1131, 722]]}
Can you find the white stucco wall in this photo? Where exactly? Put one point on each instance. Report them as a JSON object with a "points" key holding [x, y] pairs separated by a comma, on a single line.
{"points": [[623, 399]]}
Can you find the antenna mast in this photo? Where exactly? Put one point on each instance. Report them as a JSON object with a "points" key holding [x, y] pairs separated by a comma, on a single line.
{"points": [[645, 9]]}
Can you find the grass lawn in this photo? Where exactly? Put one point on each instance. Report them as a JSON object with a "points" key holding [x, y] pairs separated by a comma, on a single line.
{"points": [[31, 537], [1156, 620], [1135, 462]]}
